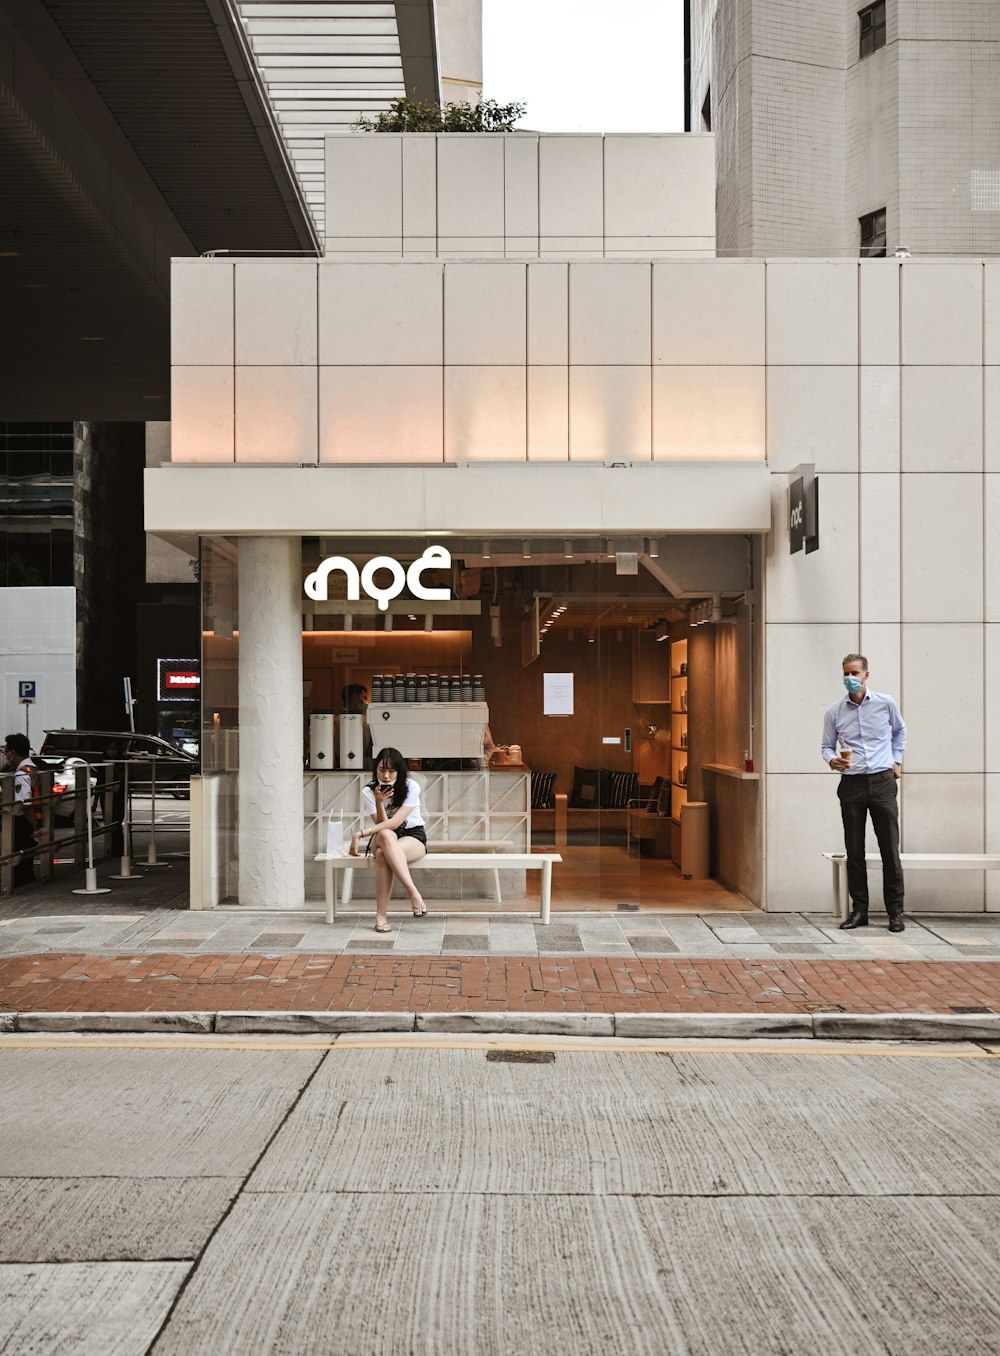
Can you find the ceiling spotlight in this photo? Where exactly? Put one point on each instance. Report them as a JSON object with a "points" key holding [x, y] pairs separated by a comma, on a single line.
{"points": [[591, 636], [348, 622], [429, 622], [526, 550], [568, 549], [611, 547], [654, 548], [388, 621], [486, 551]]}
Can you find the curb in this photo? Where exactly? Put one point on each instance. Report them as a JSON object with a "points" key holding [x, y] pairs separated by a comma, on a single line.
{"points": [[906, 1026]]}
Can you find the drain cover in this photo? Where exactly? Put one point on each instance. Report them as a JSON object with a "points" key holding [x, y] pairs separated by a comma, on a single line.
{"points": [[971, 1012], [521, 1056]]}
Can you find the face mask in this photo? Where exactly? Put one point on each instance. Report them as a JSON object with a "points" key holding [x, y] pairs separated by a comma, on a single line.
{"points": [[853, 683]]}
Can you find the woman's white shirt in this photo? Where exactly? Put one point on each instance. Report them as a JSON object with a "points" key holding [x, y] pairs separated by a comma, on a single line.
{"points": [[414, 819]]}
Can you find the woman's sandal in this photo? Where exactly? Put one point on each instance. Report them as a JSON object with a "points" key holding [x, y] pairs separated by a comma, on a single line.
{"points": [[421, 911], [382, 925]]}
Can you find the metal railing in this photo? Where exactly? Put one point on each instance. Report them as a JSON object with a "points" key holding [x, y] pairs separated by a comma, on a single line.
{"points": [[101, 826]]}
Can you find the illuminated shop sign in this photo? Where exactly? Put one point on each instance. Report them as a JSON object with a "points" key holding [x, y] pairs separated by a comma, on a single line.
{"points": [[178, 680], [434, 558]]}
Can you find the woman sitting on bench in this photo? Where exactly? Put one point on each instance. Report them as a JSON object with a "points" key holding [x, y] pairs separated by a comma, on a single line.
{"points": [[398, 836]]}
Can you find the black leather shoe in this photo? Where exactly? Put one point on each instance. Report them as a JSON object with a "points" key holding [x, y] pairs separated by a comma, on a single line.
{"points": [[857, 919], [896, 923]]}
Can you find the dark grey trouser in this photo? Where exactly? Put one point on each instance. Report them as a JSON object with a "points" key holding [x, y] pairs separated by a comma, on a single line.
{"points": [[876, 795]]}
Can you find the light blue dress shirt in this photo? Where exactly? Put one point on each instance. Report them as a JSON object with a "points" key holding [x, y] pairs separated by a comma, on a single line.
{"points": [[872, 729]]}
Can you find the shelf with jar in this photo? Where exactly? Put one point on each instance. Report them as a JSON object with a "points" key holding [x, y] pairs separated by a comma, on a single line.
{"points": [[678, 726]]}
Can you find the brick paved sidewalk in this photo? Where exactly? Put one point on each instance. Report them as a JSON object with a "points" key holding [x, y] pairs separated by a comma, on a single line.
{"points": [[372, 984]]}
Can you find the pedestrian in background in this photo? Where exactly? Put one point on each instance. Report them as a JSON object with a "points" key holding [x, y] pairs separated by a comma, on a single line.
{"points": [[863, 739], [17, 752]]}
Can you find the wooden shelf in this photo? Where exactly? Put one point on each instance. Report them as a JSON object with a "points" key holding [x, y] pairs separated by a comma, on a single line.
{"points": [[736, 772]]}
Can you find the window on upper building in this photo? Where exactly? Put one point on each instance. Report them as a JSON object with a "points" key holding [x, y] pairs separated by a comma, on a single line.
{"points": [[872, 28], [706, 111], [873, 234]]}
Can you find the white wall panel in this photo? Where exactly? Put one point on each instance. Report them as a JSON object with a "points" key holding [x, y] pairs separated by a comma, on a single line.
{"points": [[201, 312], [991, 418], [571, 189], [942, 535], [879, 423], [942, 313], [803, 676], [879, 546], [276, 313], [659, 186], [38, 626], [942, 427], [485, 414], [364, 186], [879, 307], [823, 585], [484, 313], [991, 548], [812, 313], [991, 671], [708, 413], [381, 414], [470, 178], [202, 423], [812, 416], [548, 313], [992, 839], [548, 413], [609, 313], [944, 732], [943, 813], [276, 414], [991, 311], [419, 170], [881, 645], [609, 414], [709, 312], [803, 822], [381, 314], [520, 167]]}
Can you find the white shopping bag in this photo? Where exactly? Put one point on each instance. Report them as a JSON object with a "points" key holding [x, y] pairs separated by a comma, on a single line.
{"points": [[335, 846]]}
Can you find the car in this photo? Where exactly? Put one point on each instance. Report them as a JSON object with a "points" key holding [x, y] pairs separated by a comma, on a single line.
{"points": [[63, 784], [174, 768]]}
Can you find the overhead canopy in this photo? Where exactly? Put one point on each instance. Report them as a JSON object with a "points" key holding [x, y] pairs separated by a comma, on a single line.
{"points": [[128, 133]]}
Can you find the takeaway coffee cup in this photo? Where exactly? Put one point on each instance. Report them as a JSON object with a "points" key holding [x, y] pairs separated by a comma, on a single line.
{"points": [[847, 755]]}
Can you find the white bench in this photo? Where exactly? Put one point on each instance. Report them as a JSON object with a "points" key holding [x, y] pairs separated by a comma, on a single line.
{"points": [[911, 861], [446, 845], [446, 861]]}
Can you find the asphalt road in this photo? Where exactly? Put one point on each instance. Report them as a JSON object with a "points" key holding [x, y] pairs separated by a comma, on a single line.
{"points": [[420, 1195]]}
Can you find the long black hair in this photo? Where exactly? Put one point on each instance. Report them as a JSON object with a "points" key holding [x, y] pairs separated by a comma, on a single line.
{"points": [[392, 758]]}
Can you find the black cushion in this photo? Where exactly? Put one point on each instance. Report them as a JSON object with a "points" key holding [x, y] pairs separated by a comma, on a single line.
{"points": [[586, 793], [541, 790], [619, 789]]}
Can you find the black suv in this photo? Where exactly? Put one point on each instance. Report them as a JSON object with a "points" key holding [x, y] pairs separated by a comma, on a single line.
{"points": [[174, 769]]}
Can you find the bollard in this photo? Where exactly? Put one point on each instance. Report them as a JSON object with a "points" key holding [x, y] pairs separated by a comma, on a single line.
{"points": [[126, 872], [151, 860], [92, 887]]}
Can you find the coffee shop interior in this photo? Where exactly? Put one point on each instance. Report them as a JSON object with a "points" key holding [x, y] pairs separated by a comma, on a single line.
{"points": [[598, 698]]}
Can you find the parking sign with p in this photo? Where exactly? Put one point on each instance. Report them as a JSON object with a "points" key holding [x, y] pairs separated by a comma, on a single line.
{"points": [[26, 690]]}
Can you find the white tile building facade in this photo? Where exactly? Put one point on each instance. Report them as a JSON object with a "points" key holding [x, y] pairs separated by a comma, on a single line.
{"points": [[376, 373], [812, 136]]}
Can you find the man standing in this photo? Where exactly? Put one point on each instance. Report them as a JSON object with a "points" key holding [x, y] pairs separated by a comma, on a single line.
{"points": [[863, 739], [17, 752]]}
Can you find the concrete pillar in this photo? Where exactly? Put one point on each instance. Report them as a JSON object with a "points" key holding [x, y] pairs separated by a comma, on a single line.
{"points": [[272, 845]]}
